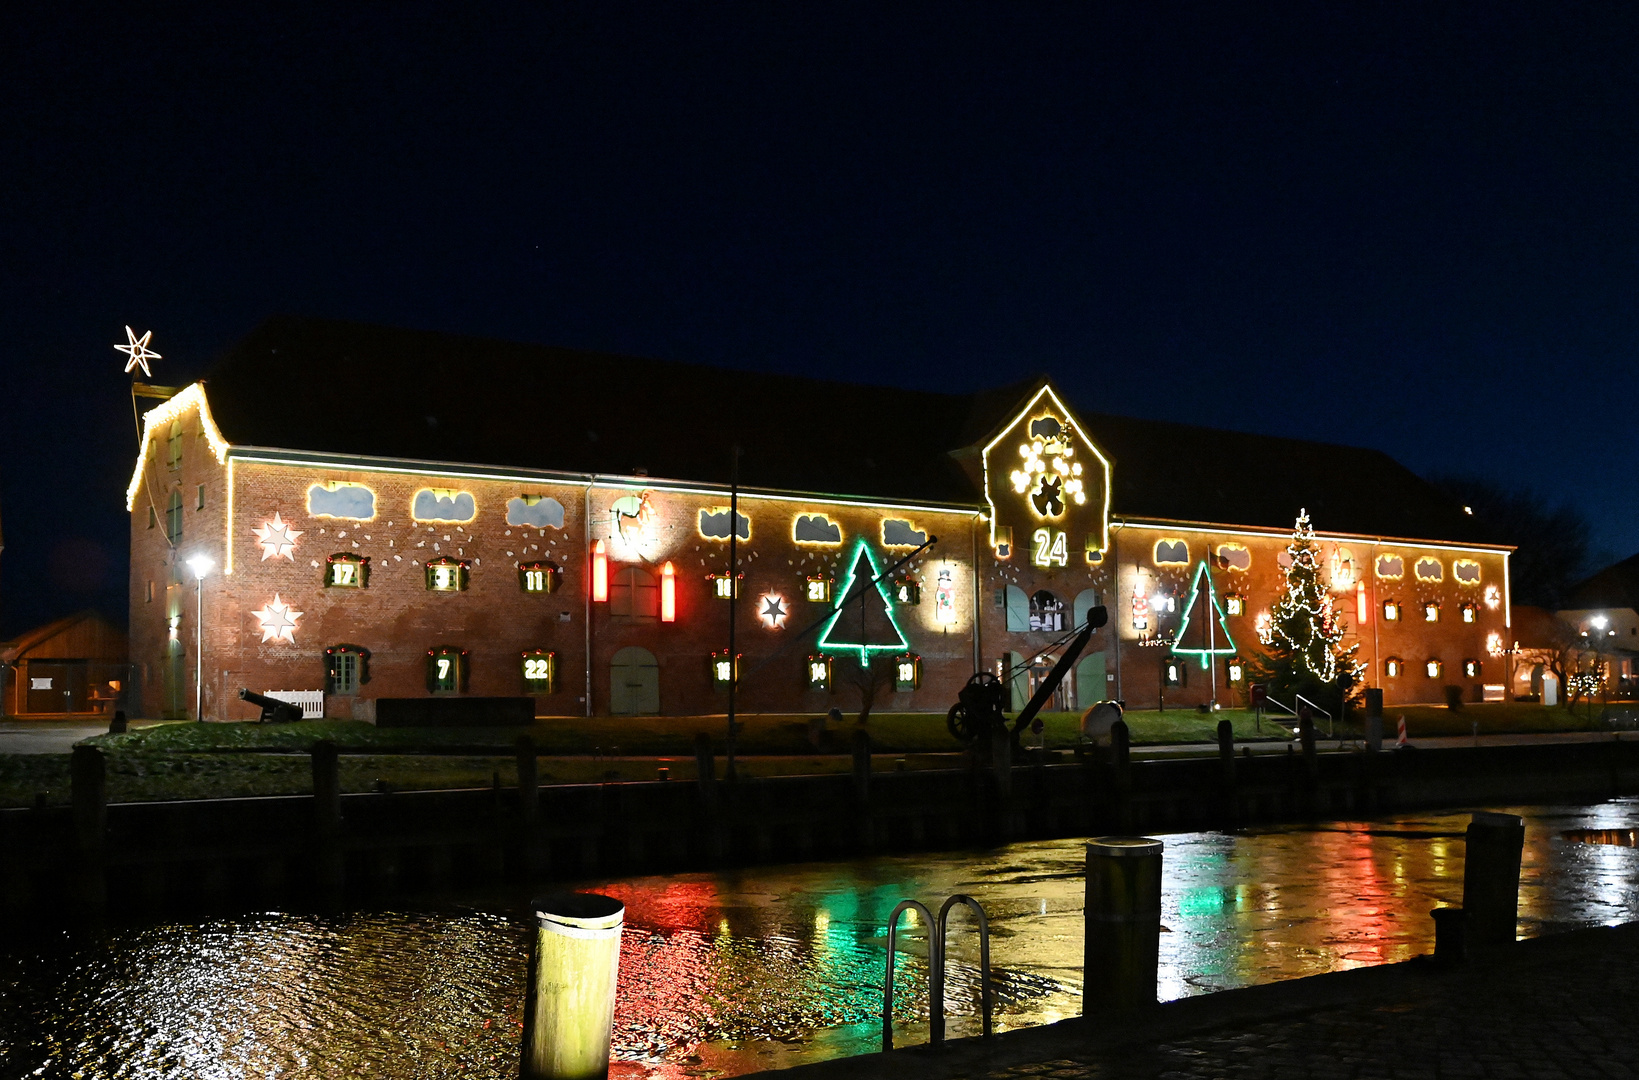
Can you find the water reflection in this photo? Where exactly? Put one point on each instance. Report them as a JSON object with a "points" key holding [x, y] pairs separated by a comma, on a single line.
{"points": [[725, 973]]}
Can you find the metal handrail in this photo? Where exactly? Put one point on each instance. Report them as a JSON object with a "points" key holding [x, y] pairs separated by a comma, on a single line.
{"points": [[936, 995], [936, 962]]}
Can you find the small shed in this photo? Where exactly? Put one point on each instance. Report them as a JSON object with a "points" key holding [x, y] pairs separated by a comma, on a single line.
{"points": [[73, 667]]}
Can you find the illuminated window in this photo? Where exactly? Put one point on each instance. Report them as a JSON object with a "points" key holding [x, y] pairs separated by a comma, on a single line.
{"points": [[539, 577], [634, 594], [1046, 611], [907, 672], [1428, 568], [173, 519], [347, 570], [819, 672], [722, 670], [173, 453], [1470, 613], [345, 667], [1050, 547], [445, 574], [1391, 567], [540, 671], [1391, 610], [1431, 612], [1234, 604], [1471, 669], [1392, 667], [817, 589], [907, 591], [1466, 571], [446, 670], [1237, 671], [1433, 668], [724, 587], [1173, 672]]}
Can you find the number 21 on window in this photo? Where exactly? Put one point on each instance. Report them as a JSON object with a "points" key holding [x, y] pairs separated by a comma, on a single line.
{"points": [[1052, 548]]}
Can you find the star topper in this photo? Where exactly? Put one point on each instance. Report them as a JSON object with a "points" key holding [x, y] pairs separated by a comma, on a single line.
{"points": [[771, 609], [277, 538], [278, 621], [138, 351]]}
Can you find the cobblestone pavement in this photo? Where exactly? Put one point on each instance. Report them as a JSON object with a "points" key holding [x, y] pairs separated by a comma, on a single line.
{"points": [[1561, 1007]]}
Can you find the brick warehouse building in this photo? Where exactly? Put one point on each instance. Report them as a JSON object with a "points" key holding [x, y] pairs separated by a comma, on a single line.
{"points": [[394, 513]]}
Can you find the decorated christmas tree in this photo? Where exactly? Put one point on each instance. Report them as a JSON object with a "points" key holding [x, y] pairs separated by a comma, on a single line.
{"points": [[1303, 643], [1197, 636], [863, 624]]}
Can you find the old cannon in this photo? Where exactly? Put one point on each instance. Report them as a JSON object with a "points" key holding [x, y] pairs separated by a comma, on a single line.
{"points": [[273, 710], [981, 705]]}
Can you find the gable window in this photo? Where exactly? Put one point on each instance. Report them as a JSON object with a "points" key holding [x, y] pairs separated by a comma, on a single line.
{"points": [[539, 577], [634, 594], [345, 570], [540, 671], [345, 668], [446, 670], [199, 498], [173, 519], [153, 516], [445, 574], [173, 447]]}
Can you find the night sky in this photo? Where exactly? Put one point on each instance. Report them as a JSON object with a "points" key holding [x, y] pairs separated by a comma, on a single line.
{"points": [[1407, 226]]}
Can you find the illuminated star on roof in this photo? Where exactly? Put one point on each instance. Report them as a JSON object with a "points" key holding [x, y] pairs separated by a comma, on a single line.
{"points": [[771, 608], [277, 538], [138, 351], [278, 621]]}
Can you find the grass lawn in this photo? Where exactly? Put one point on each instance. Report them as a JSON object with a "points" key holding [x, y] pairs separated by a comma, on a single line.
{"points": [[1493, 718]]}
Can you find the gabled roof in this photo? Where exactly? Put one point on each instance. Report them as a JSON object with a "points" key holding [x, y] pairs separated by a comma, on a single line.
{"points": [[333, 387], [1616, 586]]}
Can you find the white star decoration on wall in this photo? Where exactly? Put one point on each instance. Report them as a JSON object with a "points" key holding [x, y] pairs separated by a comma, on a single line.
{"points": [[278, 621], [771, 609], [138, 351], [277, 538]]}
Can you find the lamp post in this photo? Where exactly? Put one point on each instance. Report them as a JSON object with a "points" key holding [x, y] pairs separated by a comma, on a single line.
{"points": [[200, 565]]}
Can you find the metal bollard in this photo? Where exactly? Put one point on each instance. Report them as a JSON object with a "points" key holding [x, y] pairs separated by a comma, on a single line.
{"points": [[569, 1014], [1122, 956], [1491, 877]]}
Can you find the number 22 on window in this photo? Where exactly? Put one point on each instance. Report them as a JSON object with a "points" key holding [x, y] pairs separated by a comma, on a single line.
{"points": [[1052, 548], [536, 670]]}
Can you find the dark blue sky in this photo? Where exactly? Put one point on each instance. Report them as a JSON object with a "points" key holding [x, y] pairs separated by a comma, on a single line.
{"points": [[1405, 226]]}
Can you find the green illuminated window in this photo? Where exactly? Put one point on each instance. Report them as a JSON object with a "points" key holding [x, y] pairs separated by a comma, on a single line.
{"points": [[817, 589], [819, 672], [724, 587], [907, 591], [445, 574], [723, 670], [540, 671], [539, 577], [347, 570], [446, 670], [907, 672]]}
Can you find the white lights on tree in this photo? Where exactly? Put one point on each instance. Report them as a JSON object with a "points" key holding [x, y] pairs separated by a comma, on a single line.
{"points": [[136, 348], [1306, 621], [278, 620], [277, 538]]}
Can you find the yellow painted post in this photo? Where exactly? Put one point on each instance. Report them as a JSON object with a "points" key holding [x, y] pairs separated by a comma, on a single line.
{"points": [[1123, 924], [569, 1014]]}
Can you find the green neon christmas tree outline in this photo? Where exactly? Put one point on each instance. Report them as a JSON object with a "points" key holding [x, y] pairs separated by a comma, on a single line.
{"points": [[1205, 652], [863, 552]]}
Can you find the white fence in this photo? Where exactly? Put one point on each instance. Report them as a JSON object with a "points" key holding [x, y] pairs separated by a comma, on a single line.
{"points": [[311, 701]]}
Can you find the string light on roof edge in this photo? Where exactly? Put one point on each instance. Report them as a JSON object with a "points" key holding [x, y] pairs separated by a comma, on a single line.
{"points": [[136, 348]]}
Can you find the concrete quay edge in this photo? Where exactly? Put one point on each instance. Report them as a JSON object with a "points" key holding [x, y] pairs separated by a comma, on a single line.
{"points": [[1362, 987]]}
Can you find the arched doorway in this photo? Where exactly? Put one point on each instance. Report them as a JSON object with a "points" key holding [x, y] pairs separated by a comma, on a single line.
{"points": [[1091, 684], [1086, 600], [634, 683]]}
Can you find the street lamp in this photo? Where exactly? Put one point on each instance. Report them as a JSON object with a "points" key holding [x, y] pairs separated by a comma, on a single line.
{"points": [[200, 565]]}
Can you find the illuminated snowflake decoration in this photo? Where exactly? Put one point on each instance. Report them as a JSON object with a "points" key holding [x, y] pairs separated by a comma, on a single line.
{"points": [[277, 538], [1047, 470], [137, 349], [278, 621], [771, 608]]}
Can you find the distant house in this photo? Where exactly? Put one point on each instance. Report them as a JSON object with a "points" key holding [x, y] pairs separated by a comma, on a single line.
{"points": [[71, 667], [1605, 606]]}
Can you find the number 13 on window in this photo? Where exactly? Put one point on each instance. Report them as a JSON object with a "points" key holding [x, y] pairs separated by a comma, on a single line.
{"points": [[1052, 548]]}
